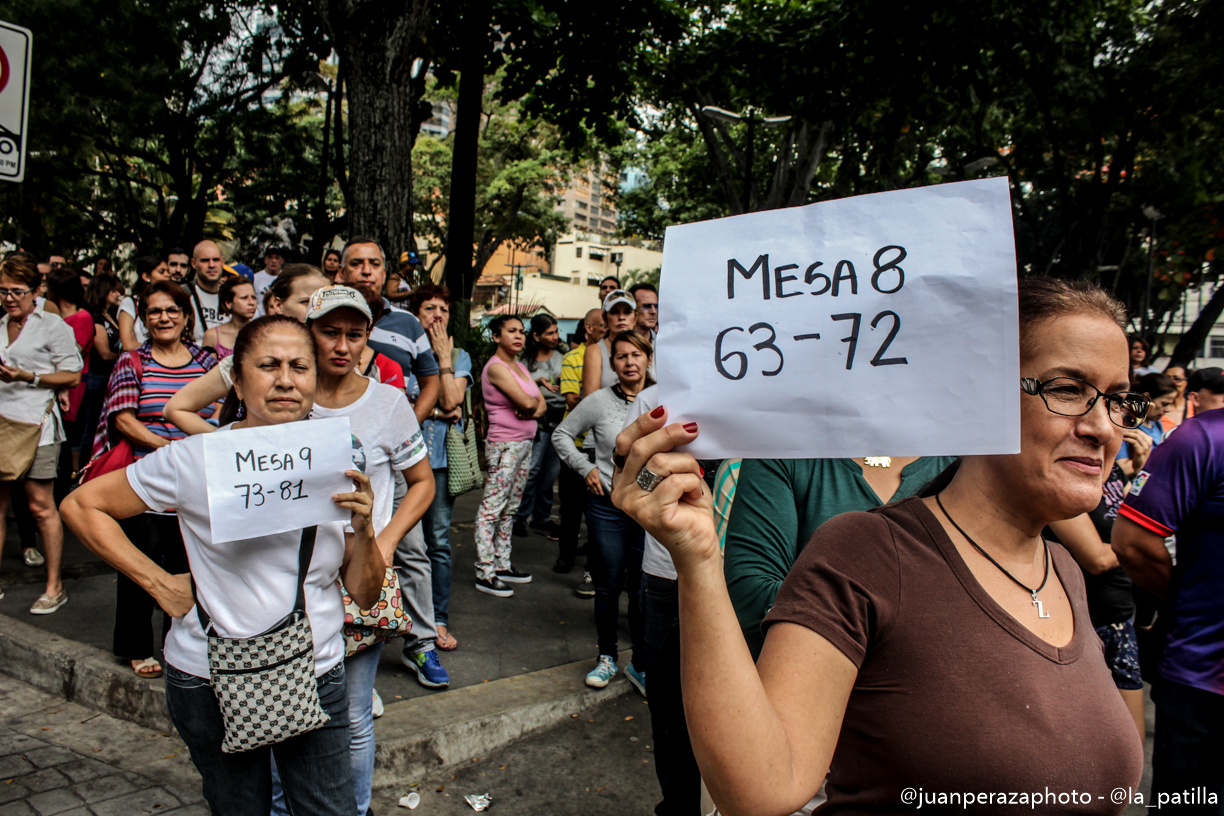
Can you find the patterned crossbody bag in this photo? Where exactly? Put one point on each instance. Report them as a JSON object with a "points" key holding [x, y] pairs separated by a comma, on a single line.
{"points": [[462, 461], [266, 684]]}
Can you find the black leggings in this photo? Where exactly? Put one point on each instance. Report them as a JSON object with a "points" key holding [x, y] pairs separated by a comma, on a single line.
{"points": [[159, 538]]}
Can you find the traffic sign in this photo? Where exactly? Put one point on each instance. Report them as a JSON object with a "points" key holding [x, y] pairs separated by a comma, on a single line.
{"points": [[14, 99]]}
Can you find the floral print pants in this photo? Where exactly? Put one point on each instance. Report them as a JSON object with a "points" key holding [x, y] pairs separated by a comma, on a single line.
{"points": [[509, 464]]}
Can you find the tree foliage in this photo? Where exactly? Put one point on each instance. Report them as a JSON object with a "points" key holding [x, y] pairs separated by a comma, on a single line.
{"points": [[140, 113], [520, 168], [1093, 108]]}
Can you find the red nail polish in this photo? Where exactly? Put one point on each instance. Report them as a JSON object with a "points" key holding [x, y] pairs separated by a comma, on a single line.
{"points": [[699, 467], [658, 412], [691, 427]]}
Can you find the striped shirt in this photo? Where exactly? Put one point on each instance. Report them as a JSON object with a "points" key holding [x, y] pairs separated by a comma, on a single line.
{"points": [[147, 393], [157, 385]]}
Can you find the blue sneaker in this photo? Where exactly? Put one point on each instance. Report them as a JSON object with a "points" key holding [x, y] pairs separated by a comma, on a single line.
{"points": [[599, 676], [637, 678], [428, 668]]}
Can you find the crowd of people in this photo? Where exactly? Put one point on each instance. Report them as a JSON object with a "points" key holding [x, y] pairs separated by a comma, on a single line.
{"points": [[828, 603]]}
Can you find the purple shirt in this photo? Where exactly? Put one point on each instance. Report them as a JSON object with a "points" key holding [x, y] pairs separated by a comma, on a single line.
{"points": [[1180, 492]]}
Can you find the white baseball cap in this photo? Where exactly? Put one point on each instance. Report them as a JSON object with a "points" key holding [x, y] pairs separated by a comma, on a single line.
{"points": [[330, 298], [619, 296]]}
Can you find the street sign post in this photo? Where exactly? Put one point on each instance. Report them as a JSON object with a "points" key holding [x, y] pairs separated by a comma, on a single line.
{"points": [[14, 99]]}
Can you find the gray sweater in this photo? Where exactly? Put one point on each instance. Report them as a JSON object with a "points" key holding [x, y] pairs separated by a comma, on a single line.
{"points": [[603, 414]]}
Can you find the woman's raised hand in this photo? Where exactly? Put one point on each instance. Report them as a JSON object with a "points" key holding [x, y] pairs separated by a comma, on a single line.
{"points": [[679, 512], [442, 344], [359, 501]]}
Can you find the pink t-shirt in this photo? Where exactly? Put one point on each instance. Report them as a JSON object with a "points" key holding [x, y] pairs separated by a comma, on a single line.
{"points": [[504, 424], [82, 324]]}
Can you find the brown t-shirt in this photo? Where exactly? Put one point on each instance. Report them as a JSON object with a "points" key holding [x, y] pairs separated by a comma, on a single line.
{"points": [[954, 695]]}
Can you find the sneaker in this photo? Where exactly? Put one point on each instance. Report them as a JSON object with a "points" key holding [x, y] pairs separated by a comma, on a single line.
{"points": [[378, 704], [493, 586], [32, 557], [513, 576], [599, 676], [45, 604], [637, 678], [563, 566], [428, 668], [587, 588], [520, 529]]}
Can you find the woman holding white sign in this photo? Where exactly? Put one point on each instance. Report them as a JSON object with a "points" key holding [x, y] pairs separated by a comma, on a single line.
{"points": [[935, 640], [245, 587]]}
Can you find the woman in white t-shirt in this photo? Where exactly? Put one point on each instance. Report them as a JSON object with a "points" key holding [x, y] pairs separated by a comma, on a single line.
{"points": [[386, 438], [246, 586]]}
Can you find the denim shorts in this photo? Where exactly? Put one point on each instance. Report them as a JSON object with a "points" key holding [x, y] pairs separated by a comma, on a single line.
{"points": [[1121, 654]]}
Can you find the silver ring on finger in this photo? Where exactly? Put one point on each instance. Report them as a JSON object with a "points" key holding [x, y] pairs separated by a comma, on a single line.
{"points": [[648, 480]]}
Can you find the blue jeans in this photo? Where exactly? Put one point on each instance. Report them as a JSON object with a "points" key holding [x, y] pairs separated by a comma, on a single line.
{"points": [[318, 777], [538, 494], [1189, 744], [359, 671], [675, 765], [617, 543], [437, 523]]}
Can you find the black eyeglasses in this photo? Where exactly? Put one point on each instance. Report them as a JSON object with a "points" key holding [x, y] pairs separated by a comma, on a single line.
{"points": [[14, 293], [1067, 396]]}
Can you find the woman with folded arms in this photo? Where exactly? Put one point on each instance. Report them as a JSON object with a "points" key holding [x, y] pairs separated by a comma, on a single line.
{"points": [[938, 642], [246, 586]]}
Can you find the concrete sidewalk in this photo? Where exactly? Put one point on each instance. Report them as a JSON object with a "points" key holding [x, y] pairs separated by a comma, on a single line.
{"points": [[519, 667]]}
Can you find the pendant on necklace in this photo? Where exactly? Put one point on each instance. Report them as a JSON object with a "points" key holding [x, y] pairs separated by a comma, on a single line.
{"points": [[1041, 613], [878, 461]]}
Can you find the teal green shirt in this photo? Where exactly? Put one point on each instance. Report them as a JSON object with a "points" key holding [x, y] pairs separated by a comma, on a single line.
{"points": [[779, 503]]}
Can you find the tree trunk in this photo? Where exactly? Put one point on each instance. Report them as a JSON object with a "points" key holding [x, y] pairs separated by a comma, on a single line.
{"points": [[1190, 343], [461, 220], [377, 41]]}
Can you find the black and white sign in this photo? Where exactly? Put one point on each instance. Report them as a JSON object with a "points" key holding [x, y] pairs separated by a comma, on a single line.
{"points": [[14, 99], [268, 480], [880, 325]]}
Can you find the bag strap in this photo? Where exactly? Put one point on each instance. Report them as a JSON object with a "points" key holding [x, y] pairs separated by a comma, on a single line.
{"points": [[305, 553], [199, 305]]}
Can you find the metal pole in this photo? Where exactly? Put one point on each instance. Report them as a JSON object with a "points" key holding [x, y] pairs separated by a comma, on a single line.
{"points": [[748, 164], [1147, 292]]}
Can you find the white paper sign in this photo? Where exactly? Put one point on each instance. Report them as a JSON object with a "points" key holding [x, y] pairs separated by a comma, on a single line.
{"points": [[881, 325], [263, 481]]}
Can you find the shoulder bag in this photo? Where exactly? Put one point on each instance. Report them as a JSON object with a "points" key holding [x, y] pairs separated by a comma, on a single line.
{"points": [[462, 459], [266, 684], [385, 620], [117, 456], [18, 446]]}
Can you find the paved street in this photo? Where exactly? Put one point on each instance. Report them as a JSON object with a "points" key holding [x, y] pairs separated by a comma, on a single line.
{"points": [[62, 758]]}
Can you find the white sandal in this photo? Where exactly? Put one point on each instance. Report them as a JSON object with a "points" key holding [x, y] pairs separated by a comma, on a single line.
{"points": [[148, 663]]}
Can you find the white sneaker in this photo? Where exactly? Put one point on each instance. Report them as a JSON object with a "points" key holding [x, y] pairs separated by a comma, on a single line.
{"points": [[32, 557], [378, 705]]}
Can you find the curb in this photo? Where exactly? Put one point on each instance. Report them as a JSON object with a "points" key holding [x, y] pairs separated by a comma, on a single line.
{"points": [[80, 674], [414, 737], [417, 737]]}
